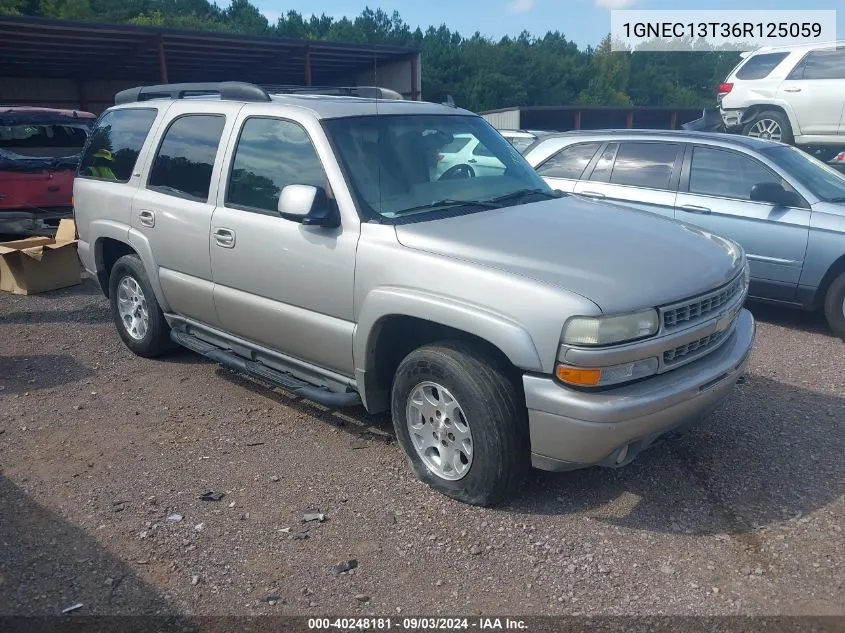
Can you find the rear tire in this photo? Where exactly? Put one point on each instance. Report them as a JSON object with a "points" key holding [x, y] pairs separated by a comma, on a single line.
{"points": [[834, 306], [489, 413], [767, 122], [137, 315]]}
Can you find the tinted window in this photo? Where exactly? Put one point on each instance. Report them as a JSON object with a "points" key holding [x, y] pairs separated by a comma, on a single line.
{"points": [[270, 155], [644, 165], [115, 144], [824, 181], [186, 156], [760, 66], [42, 141], [726, 174], [604, 166], [480, 150], [825, 64], [570, 162]]}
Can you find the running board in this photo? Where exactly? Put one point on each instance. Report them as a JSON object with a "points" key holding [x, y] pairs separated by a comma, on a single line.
{"points": [[286, 381]]}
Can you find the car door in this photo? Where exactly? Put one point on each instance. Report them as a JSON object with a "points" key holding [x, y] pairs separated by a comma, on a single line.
{"points": [[815, 89], [639, 174], [562, 169], [173, 209], [714, 194], [278, 283]]}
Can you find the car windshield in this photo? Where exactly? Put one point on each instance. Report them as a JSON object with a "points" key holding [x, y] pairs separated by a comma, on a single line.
{"points": [[408, 165], [521, 143], [822, 180]]}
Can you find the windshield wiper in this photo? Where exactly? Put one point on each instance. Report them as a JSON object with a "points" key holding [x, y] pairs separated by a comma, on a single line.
{"points": [[448, 203], [525, 193]]}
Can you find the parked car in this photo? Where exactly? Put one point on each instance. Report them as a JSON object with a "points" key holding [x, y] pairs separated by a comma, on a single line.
{"points": [[303, 240], [783, 206], [467, 157], [39, 152], [522, 139], [793, 94]]}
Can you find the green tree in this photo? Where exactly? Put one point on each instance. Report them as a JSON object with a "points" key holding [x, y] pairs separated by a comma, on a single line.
{"points": [[609, 73], [13, 7]]}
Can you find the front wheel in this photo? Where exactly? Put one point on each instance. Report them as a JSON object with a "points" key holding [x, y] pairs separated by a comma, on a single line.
{"points": [[461, 421], [834, 306]]}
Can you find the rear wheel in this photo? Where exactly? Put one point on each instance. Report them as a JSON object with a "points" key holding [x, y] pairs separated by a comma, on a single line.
{"points": [[770, 125], [461, 421], [834, 306], [137, 315]]}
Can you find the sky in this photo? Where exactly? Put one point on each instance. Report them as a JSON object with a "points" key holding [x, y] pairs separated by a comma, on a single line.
{"points": [[582, 21]]}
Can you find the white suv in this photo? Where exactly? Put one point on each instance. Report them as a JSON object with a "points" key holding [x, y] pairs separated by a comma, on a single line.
{"points": [[793, 94]]}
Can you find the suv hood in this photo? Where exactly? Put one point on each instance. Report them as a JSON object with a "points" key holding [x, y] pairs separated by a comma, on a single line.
{"points": [[622, 259]]}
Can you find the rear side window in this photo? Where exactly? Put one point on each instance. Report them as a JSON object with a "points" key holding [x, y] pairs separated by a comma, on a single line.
{"points": [[647, 165], [760, 66], [271, 154], [115, 143], [456, 145], [570, 162], [823, 64], [186, 156]]}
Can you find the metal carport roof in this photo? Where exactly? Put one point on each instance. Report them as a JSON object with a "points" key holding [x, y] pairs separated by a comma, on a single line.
{"points": [[38, 47]]}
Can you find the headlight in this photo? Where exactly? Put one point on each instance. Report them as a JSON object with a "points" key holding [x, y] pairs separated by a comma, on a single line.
{"points": [[607, 330]]}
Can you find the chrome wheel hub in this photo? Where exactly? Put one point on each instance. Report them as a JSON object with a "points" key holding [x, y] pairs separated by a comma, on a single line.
{"points": [[132, 308], [766, 129], [439, 431]]}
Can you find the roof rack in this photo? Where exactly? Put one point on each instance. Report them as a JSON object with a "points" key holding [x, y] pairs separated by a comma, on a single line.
{"points": [[366, 92], [229, 90]]}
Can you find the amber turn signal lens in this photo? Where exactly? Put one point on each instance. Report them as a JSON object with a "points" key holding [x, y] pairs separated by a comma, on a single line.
{"points": [[578, 376]]}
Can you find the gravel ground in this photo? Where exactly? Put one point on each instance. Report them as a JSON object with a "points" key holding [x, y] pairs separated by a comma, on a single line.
{"points": [[100, 449]]}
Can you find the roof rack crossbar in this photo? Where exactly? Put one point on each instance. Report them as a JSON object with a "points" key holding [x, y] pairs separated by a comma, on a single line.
{"points": [[228, 90]]}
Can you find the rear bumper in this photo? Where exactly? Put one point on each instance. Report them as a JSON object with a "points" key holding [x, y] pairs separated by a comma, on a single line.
{"points": [[32, 222], [573, 429]]}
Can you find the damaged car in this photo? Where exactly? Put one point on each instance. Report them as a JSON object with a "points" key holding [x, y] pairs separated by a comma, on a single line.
{"points": [[40, 149]]}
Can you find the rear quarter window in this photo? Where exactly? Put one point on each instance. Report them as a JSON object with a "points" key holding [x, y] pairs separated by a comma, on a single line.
{"points": [[760, 66], [115, 143]]}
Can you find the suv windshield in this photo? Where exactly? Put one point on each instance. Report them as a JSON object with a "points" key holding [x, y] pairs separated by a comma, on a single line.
{"points": [[825, 182], [405, 165]]}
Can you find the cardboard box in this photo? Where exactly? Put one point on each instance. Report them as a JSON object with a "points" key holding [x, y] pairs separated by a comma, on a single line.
{"points": [[39, 264]]}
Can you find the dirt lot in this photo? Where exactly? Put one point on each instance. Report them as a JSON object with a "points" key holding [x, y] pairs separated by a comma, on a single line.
{"points": [[98, 448]]}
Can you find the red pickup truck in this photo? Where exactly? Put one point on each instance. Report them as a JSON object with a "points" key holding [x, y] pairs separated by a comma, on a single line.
{"points": [[40, 149]]}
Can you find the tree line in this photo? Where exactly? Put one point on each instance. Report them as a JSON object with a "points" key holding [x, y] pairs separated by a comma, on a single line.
{"points": [[479, 73]]}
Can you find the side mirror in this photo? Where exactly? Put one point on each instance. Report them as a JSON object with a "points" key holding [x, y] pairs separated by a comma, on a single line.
{"points": [[308, 205], [774, 193]]}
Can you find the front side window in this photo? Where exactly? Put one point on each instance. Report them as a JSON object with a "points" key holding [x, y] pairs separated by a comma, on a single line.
{"points": [[647, 165], [570, 162], [186, 156], [395, 165], [726, 174], [824, 64], [115, 143], [271, 154], [822, 180], [760, 66]]}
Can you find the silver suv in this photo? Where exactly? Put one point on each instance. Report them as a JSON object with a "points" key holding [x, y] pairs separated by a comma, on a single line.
{"points": [[307, 240]]}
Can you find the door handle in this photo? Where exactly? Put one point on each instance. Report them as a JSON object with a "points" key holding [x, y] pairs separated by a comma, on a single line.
{"points": [[147, 218], [225, 238], [593, 194], [692, 208], [792, 89], [472, 160]]}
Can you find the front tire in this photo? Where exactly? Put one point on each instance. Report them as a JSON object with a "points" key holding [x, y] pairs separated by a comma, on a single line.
{"points": [[137, 315], [462, 422], [834, 306]]}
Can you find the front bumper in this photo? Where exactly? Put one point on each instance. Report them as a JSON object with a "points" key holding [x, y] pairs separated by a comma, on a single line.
{"points": [[41, 222], [574, 429]]}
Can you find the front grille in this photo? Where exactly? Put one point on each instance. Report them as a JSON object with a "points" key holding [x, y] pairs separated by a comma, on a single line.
{"points": [[675, 355], [677, 315]]}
